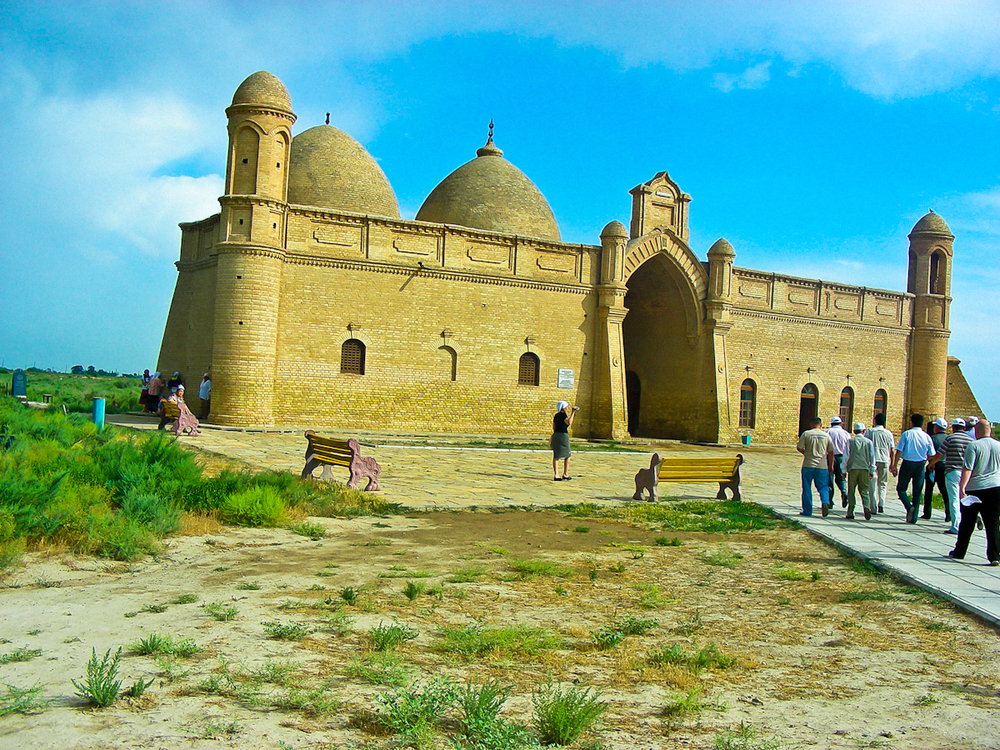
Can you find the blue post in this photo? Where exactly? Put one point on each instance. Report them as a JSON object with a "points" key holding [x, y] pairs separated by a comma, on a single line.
{"points": [[99, 412]]}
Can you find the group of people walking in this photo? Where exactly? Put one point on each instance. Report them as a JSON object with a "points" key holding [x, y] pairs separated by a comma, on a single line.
{"points": [[964, 465]]}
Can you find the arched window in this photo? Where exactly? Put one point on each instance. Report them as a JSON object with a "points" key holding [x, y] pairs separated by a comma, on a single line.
{"points": [[748, 404], [245, 166], [881, 399], [808, 406], [937, 272], [352, 357], [847, 407], [451, 357], [527, 369]]}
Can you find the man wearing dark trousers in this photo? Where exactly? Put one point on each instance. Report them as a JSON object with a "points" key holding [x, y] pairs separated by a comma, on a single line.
{"points": [[980, 494], [935, 473], [915, 448]]}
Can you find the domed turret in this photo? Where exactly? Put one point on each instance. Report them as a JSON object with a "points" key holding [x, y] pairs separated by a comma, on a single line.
{"points": [[931, 223], [491, 193], [329, 169], [614, 229], [721, 248], [263, 89]]}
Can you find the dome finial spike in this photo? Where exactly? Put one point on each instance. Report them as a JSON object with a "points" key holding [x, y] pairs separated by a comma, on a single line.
{"points": [[490, 148], [327, 118], [490, 138]]}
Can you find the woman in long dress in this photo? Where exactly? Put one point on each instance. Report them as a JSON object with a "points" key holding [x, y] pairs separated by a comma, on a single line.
{"points": [[560, 439]]}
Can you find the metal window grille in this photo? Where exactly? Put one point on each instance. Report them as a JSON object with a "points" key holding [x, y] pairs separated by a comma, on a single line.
{"points": [[847, 407], [527, 369], [352, 357]]}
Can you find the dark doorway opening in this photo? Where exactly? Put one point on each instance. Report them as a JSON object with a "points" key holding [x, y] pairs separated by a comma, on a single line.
{"points": [[808, 406], [633, 391]]}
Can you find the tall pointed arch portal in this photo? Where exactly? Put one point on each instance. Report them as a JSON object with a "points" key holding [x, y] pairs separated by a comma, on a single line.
{"points": [[669, 350]]}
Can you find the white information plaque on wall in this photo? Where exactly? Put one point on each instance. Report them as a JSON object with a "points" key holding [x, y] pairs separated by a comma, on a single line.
{"points": [[565, 378]]}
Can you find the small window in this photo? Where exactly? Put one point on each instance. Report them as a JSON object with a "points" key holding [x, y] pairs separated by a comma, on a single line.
{"points": [[937, 273], [880, 402], [748, 404], [847, 407], [352, 357], [451, 361], [527, 369]]}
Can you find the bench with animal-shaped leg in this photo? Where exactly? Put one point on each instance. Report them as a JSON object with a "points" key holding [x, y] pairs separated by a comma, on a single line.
{"points": [[725, 471], [327, 452]]}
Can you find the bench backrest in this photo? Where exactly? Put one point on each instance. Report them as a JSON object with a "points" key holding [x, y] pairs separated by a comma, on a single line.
{"points": [[698, 469], [329, 451]]}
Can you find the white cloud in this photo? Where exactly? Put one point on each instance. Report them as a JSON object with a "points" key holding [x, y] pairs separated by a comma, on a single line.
{"points": [[754, 77]]}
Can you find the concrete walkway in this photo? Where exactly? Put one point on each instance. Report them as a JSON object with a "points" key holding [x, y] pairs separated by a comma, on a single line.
{"points": [[423, 475]]}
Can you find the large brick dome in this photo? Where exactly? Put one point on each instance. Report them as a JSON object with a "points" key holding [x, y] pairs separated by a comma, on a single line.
{"points": [[263, 89], [329, 169], [491, 193]]}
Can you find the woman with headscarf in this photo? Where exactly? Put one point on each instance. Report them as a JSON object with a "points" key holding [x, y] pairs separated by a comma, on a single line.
{"points": [[153, 390], [144, 393], [560, 439]]}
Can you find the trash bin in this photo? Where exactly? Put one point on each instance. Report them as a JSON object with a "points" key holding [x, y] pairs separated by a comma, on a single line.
{"points": [[745, 439]]}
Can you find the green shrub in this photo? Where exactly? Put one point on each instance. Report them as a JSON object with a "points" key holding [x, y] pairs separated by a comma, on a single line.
{"points": [[386, 637], [413, 710], [160, 516], [255, 506], [21, 700], [101, 686], [562, 714]]}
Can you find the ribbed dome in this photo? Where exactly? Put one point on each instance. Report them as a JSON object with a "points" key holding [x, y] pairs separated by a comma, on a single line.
{"points": [[722, 247], [329, 169], [931, 222], [491, 193], [264, 89], [614, 229]]}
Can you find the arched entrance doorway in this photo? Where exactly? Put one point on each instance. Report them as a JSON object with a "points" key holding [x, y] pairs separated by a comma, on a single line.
{"points": [[808, 406], [669, 365]]}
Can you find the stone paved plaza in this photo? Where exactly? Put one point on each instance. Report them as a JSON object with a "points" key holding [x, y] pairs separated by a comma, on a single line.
{"points": [[424, 472]]}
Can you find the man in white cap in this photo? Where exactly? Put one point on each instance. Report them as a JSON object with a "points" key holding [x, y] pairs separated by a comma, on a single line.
{"points": [[952, 451], [980, 493], [884, 442], [839, 437], [915, 448], [935, 474], [859, 461]]}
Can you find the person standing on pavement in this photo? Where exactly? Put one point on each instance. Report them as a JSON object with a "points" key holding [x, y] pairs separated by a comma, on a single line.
{"points": [[952, 452], [205, 396], [559, 443], [981, 481], [884, 441], [935, 474], [153, 390], [915, 448], [817, 466], [859, 462], [839, 437]]}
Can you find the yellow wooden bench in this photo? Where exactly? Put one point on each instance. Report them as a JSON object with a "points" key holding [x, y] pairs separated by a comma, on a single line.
{"points": [[724, 470], [327, 452]]}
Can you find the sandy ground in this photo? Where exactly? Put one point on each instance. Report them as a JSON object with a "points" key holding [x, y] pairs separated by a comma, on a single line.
{"points": [[817, 664]]}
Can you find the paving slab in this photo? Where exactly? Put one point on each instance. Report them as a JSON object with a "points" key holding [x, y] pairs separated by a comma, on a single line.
{"points": [[432, 476]]}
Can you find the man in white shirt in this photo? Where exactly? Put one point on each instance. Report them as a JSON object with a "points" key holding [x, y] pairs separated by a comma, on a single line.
{"points": [[884, 442], [916, 449], [980, 493], [839, 437]]}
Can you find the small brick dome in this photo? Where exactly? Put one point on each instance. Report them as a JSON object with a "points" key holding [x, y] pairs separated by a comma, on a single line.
{"points": [[722, 248], [491, 193], [329, 169], [264, 89], [931, 223]]}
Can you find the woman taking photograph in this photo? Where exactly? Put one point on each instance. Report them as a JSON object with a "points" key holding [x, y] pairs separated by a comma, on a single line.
{"points": [[560, 439]]}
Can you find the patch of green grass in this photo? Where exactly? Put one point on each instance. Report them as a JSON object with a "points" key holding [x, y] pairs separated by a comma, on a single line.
{"points": [[932, 625], [310, 529], [784, 601], [865, 568], [254, 506], [707, 657], [926, 700], [650, 596], [745, 737], [317, 701], [689, 626], [618, 567], [401, 571], [790, 573], [164, 644], [215, 728], [101, 685], [499, 550], [185, 599], [413, 710], [686, 704], [293, 631], [607, 637], [221, 612], [248, 586], [471, 641], [412, 590], [531, 568], [561, 714], [713, 516], [380, 668], [349, 595], [385, 637], [484, 729], [468, 574], [662, 541], [20, 654], [722, 557], [154, 609], [17, 700], [581, 530], [138, 688]]}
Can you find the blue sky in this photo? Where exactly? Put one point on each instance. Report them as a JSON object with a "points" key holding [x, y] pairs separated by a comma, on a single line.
{"points": [[811, 135]]}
